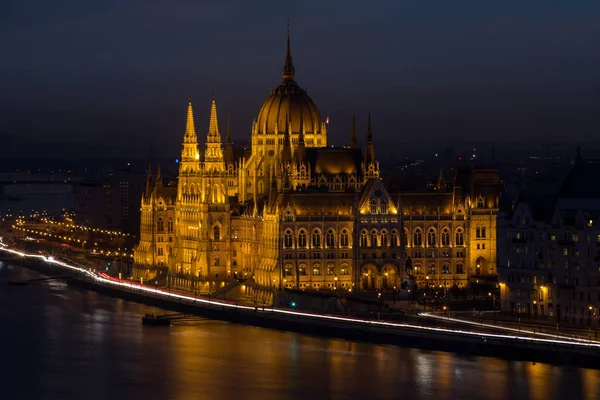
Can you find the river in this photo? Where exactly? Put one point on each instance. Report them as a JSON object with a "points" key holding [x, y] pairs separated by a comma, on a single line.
{"points": [[60, 343]]}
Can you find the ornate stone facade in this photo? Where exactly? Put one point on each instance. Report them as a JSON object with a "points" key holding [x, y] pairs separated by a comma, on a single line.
{"points": [[295, 213]]}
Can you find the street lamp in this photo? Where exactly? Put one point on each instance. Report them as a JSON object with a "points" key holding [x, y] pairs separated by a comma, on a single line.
{"points": [[494, 304]]}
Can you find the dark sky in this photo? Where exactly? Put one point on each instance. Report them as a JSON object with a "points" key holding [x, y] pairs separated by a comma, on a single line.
{"points": [[121, 70]]}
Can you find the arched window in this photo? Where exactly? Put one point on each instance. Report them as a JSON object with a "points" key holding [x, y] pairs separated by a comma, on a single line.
{"points": [[316, 269], [374, 206], [216, 261], [302, 269], [344, 239], [394, 242], [364, 242], [289, 270], [374, 238], [431, 269], [217, 233], [460, 238], [480, 202], [302, 239], [170, 225], [160, 225], [483, 232], [445, 237], [330, 269], [478, 232], [460, 268], [288, 239], [383, 208], [330, 240], [445, 268], [431, 237], [316, 238], [344, 270], [383, 239], [160, 251], [417, 238]]}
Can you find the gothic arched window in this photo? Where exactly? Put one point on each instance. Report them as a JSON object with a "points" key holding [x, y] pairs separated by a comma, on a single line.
{"points": [[394, 242], [431, 237], [364, 242], [316, 238], [374, 238], [160, 225], [417, 238], [288, 239], [460, 238], [344, 239], [445, 238], [217, 232], [383, 239], [302, 239], [170, 225], [330, 238]]}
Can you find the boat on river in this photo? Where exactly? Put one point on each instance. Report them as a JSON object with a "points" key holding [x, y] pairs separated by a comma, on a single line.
{"points": [[156, 320]]}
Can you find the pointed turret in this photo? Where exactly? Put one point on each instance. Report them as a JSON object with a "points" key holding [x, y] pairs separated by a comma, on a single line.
{"points": [[159, 179], [286, 156], [149, 182], [301, 149], [288, 66], [213, 155], [190, 156], [353, 138], [190, 130], [370, 150]]}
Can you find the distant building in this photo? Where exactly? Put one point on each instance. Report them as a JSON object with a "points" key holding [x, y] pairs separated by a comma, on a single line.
{"points": [[549, 251], [111, 202], [299, 213]]}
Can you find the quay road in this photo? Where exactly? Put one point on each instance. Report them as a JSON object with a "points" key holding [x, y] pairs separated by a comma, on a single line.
{"points": [[513, 346]]}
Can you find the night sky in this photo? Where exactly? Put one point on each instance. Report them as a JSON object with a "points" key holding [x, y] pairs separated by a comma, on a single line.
{"points": [[121, 71]]}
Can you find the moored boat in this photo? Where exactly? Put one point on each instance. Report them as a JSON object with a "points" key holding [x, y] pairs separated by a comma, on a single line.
{"points": [[151, 319]]}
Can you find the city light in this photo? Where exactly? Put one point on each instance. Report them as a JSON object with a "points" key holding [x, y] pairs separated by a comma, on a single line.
{"points": [[572, 342]]}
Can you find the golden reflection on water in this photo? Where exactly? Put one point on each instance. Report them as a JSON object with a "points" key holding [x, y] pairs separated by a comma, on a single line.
{"points": [[278, 365]]}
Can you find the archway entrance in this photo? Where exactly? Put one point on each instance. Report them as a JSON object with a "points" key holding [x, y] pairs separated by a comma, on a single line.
{"points": [[369, 275], [388, 277], [480, 266]]}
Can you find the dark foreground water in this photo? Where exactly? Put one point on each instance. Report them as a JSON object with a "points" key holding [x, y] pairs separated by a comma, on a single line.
{"points": [[57, 343]]}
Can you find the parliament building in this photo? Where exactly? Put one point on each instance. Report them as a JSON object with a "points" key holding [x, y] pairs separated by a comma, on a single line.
{"points": [[296, 212]]}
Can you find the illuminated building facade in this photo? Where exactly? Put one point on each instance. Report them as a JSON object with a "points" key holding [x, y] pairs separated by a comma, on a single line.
{"points": [[549, 251], [299, 213]]}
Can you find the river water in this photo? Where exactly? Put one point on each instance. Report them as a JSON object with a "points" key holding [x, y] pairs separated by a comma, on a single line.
{"points": [[60, 343]]}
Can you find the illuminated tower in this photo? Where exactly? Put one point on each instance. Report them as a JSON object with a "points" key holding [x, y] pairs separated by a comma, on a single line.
{"points": [[213, 155]]}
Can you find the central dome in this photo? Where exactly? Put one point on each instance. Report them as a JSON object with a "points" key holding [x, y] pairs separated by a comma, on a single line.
{"points": [[288, 102]]}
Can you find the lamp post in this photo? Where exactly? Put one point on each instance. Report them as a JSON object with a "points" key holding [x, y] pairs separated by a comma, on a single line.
{"points": [[494, 304]]}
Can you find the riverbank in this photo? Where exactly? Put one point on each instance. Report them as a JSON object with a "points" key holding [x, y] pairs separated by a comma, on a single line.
{"points": [[506, 346]]}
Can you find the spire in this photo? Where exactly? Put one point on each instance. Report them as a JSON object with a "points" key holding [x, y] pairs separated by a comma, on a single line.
{"points": [[159, 180], [440, 182], [214, 136], [301, 149], [370, 150], [353, 139], [190, 131], [228, 144], [149, 181], [288, 67], [213, 153]]}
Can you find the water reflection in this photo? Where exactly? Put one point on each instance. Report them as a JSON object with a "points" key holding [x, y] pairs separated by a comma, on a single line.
{"points": [[84, 345]]}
